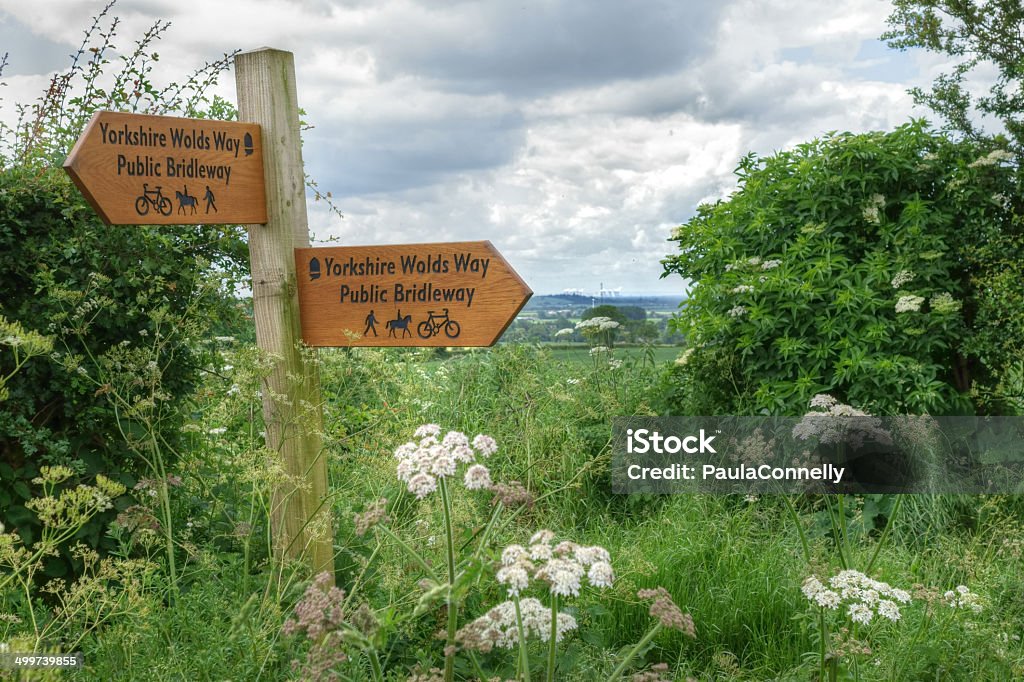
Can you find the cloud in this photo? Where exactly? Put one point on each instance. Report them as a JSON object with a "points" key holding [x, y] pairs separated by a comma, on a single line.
{"points": [[574, 134]]}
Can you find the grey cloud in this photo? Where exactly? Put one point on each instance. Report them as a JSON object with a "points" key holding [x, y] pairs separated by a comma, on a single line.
{"points": [[29, 53], [540, 47], [369, 158]]}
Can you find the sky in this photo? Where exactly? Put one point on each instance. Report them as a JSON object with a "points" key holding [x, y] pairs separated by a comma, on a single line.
{"points": [[573, 134]]}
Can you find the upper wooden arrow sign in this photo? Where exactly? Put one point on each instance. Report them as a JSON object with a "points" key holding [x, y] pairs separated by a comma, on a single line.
{"points": [[450, 294], [137, 169]]}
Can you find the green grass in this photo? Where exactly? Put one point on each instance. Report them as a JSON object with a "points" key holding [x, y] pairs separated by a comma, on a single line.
{"points": [[736, 565]]}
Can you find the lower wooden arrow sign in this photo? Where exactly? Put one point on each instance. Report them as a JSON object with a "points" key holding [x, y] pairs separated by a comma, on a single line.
{"points": [[447, 294]]}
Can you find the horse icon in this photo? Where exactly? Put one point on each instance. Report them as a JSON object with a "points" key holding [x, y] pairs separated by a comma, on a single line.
{"points": [[399, 323], [185, 199]]}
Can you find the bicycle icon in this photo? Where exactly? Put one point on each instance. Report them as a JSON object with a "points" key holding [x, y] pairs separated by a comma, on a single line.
{"points": [[154, 198], [435, 323]]}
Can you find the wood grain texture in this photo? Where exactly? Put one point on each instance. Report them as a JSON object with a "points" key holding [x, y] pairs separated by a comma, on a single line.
{"points": [[292, 408], [136, 169], [444, 294]]}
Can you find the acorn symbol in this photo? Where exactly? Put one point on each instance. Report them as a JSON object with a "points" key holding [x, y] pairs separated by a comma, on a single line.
{"points": [[247, 142], [314, 268]]}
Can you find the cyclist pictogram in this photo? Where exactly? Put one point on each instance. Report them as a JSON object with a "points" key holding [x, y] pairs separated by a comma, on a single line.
{"points": [[154, 198], [435, 323]]}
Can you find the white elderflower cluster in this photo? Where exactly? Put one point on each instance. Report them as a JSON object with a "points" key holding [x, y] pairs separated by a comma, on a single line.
{"points": [[737, 311], [743, 289], [864, 597], [909, 304], [872, 211], [497, 627], [945, 304], [820, 423], [993, 158], [562, 566], [422, 463], [902, 277], [963, 598], [771, 264]]}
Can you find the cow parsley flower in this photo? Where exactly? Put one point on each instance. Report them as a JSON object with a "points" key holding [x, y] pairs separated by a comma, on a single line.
{"points": [[422, 485], [478, 477], [427, 430], [485, 445], [601, 574], [421, 464], [562, 566], [863, 596], [963, 598]]}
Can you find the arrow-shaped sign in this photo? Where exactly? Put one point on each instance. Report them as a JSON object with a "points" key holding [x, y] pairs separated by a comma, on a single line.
{"points": [[136, 169], [449, 294]]}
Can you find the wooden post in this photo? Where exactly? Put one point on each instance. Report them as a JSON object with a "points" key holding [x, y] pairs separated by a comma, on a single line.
{"points": [[301, 511]]}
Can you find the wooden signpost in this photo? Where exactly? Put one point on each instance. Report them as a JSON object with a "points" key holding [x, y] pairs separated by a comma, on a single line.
{"points": [[157, 170], [449, 294], [136, 169]]}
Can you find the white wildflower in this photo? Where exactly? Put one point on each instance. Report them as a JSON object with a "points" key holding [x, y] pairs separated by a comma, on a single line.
{"points": [[455, 439], [684, 357], [598, 350], [888, 609], [443, 464], [568, 331], [743, 289], [963, 598], [463, 454], [541, 551], [909, 304], [771, 264], [859, 613], [514, 577], [427, 430], [406, 450], [944, 303], [824, 400], [512, 554], [993, 158], [422, 485], [901, 278], [563, 576], [591, 555], [601, 574], [478, 477], [485, 445], [737, 311]]}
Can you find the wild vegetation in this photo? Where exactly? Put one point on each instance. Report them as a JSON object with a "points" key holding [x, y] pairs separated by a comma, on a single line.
{"points": [[476, 535]]}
